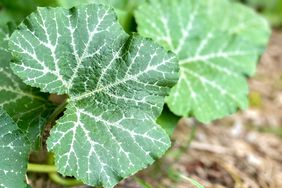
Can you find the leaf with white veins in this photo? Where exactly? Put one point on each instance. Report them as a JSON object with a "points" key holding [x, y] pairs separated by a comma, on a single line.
{"points": [[116, 86], [14, 149], [216, 48], [27, 106]]}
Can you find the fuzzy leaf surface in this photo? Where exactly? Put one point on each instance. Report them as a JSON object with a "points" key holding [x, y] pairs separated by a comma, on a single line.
{"points": [[216, 48], [116, 86], [28, 107], [14, 149]]}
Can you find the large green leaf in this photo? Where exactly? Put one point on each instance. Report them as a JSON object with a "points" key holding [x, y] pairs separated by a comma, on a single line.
{"points": [[26, 105], [248, 25], [116, 86], [216, 48], [14, 149]]}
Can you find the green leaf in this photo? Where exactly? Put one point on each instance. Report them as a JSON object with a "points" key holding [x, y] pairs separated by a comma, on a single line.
{"points": [[216, 49], [247, 25], [14, 149], [116, 86], [27, 106], [168, 121]]}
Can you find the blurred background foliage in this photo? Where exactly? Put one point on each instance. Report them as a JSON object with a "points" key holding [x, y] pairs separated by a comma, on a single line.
{"points": [[271, 9], [16, 10]]}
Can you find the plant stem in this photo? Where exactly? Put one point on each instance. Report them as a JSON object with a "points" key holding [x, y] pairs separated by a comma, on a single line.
{"points": [[56, 178], [57, 112], [41, 168], [53, 175]]}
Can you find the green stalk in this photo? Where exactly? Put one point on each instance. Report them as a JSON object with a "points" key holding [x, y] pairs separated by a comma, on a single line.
{"points": [[41, 168], [53, 175], [56, 178], [57, 112]]}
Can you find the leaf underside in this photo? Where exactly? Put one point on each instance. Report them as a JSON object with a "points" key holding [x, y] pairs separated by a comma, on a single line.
{"points": [[27, 106], [216, 48], [116, 86], [14, 149]]}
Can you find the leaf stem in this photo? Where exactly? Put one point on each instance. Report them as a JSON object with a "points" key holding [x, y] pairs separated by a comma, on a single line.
{"points": [[57, 112], [56, 178], [50, 168], [53, 175], [41, 168]]}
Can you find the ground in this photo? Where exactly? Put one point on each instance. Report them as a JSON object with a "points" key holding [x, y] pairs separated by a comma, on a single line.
{"points": [[243, 150]]}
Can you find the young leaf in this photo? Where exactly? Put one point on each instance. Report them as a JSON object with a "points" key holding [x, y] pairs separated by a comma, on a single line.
{"points": [[216, 48], [26, 105], [116, 86], [14, 149]]}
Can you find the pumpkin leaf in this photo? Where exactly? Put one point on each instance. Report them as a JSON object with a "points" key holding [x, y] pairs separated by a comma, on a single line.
{"points": [[14, 149], [216, 49], [116, 86], [27, 106]]}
